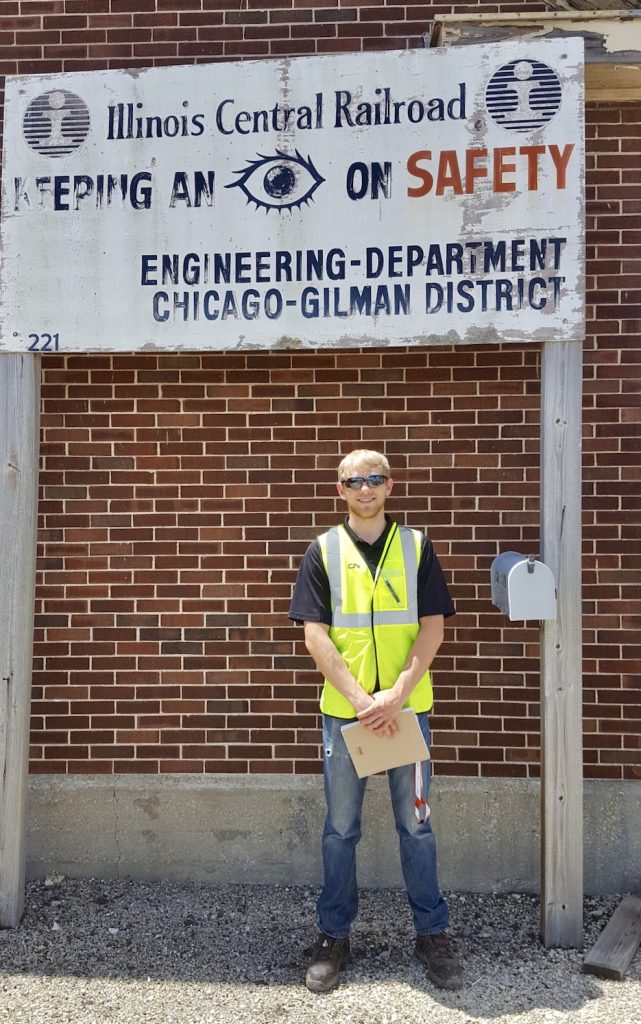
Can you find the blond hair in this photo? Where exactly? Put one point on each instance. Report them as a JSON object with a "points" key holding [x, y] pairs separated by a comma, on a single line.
{"points": [[363, 459]]}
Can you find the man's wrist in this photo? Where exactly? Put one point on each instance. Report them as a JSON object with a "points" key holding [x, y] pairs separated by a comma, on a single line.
{"points": [[399, 696], [361, 700], [405, 684]]}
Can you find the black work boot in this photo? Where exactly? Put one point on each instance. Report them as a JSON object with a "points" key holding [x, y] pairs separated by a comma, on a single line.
{"points": [[328, 957], [439, 959]]}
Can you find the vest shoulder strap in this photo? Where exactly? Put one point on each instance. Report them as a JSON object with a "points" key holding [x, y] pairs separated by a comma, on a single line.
{"points": [[328, 539]]}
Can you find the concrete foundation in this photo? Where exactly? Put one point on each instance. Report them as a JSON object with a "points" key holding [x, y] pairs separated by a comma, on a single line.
{"points": [[266, 829]]}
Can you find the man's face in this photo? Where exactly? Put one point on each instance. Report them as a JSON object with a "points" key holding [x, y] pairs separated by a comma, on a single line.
{"points": [[365, 502]]}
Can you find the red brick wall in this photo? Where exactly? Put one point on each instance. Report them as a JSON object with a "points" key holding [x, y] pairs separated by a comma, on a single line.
{"points": [[612, 446], [41, 36], [179, 492]]}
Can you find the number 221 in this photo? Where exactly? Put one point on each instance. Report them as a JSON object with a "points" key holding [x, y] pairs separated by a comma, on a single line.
{"points": [[44, 342]]}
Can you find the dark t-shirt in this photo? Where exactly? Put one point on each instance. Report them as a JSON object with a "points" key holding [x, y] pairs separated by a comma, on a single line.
{"points": [[311, 600]]}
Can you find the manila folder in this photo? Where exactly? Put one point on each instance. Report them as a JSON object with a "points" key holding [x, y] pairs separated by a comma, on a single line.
{"points": [[371, 753]]}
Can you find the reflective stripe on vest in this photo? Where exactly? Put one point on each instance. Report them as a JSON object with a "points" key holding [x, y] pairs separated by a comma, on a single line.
{"points": [[364, 619]]}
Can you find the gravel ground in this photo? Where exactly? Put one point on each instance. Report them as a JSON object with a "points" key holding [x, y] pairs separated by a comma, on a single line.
{"points": [[123, 952]]}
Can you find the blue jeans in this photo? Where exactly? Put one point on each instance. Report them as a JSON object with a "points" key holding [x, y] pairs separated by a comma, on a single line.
{"points": [[344, 791]]}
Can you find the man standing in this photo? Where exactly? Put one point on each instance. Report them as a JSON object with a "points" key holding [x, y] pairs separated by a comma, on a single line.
{"points": [[372, 598]]}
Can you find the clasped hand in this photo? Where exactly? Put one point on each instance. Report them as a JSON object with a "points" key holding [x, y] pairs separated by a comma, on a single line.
{"points": [[380, 714]]}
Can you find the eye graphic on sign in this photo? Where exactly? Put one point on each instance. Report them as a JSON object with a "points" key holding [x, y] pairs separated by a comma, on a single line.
{"points": [[279, 182], [523, 95], [56, 123]]}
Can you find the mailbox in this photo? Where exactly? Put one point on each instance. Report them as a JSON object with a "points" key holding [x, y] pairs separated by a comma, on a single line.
{"points": [[523, 587]]}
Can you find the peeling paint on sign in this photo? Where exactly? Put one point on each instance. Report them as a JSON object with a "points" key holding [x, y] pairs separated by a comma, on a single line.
{"points": [[418, 197]]}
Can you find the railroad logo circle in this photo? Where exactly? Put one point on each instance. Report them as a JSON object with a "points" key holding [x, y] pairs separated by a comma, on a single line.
{"points": [[56, 123], [523, 95]]}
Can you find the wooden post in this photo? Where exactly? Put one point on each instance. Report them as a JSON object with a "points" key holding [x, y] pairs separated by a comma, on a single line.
{"points": [[561, 690], [19, 453]]}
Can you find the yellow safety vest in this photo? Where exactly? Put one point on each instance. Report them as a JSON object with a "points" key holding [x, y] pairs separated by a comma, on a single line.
{"points": [[374, 619]]}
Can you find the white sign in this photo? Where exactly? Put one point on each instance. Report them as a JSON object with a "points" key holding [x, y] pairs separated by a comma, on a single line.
{"points": [[410, 197]]}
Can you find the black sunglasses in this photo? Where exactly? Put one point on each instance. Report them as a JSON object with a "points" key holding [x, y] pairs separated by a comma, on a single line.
{"points": [[356, 482]]}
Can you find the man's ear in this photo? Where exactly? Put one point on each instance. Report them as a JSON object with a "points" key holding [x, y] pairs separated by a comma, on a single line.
{"points": [[389, 483], [341, 491]]}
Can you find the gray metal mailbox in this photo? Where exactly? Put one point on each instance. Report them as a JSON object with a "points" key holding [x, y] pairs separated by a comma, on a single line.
{"points": [[523, 587]]}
